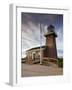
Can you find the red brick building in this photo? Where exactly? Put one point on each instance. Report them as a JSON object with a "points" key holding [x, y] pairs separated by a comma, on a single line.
{"points": [[44, 54]]}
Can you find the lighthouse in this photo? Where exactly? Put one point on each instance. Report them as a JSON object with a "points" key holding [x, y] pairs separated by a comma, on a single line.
{"points": [[51, 50]]}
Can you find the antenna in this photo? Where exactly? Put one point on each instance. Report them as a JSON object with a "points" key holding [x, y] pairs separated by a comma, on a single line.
{"points": [[40, 44]]}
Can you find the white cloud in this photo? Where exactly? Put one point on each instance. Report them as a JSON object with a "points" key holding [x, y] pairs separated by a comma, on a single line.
{"points": [[59, 41], [30, 36]]}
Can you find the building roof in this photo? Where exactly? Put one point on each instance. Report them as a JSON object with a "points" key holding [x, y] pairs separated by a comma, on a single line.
{"points": [[36, 48]]}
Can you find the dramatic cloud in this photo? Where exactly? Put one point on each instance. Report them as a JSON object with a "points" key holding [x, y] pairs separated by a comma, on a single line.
{"points": [[31, 31]]}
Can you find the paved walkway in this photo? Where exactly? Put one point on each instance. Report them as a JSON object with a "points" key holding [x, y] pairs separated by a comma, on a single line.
{"points": [[40, 70]]}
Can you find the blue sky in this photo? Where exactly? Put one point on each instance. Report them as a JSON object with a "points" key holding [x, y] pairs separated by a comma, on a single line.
{"points": [[30, 27]]}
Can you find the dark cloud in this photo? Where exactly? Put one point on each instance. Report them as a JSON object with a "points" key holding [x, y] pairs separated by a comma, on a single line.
{"points": [[45, 19]]}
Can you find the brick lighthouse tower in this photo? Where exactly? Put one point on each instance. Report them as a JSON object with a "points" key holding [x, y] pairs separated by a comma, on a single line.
{"points": [[51, 50]]}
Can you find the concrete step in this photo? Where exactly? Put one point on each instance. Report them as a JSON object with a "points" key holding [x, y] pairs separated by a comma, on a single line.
{"points": [[52, 64]]}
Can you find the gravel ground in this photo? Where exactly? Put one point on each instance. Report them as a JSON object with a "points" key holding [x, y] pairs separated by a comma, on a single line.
{"points": [[39, 70]]}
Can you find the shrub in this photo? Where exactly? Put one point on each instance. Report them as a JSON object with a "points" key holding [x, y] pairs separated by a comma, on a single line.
{"points": [[60, 62]]}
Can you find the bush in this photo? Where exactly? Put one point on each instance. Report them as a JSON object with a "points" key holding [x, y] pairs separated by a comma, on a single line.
{"points": [[23, 60], [60, 62]]}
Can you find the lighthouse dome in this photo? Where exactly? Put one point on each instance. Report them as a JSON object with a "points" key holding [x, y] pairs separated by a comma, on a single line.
{"points": [[51, 28], [50, 31]]}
